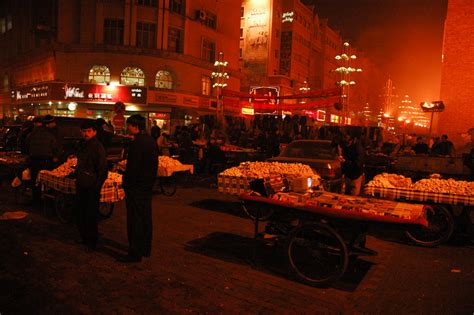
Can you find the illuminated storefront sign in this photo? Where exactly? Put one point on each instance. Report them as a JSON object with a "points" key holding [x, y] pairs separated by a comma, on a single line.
{"points": [[81, 92], [287, 17], [247, 111], [321, 115], [256, 34], [267, 91], [334, 118]]}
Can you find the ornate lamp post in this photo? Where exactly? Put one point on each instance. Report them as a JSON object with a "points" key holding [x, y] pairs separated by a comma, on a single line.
{"points": [[220, 77], [345, 70]]}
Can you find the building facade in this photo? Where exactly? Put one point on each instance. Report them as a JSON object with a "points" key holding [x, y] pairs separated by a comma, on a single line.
{"points": [[457, 70], [80, 57]]}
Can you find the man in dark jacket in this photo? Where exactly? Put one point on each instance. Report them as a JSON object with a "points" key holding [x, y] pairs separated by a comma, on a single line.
{"points": [[353, 155], [140, 175], [43, 151], [91, 174], [420, 147]]}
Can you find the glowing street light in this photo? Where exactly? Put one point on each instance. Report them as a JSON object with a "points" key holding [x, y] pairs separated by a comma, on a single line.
{"points": [[345, 70], [220, 76]]}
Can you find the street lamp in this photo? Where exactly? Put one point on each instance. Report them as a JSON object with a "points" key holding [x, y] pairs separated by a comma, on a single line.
{"points": [[345, 70], [304, 89], [220, 76]]}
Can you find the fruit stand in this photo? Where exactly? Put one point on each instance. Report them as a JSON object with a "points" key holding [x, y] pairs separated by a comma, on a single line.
{"points": [[58, 186], [320, 230], [443, 194]]}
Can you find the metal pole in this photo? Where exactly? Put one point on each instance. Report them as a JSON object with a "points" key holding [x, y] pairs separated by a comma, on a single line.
{"points": [[431, 122]]}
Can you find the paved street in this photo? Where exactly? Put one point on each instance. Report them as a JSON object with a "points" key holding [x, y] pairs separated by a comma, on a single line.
{"points": [[203, 262]]}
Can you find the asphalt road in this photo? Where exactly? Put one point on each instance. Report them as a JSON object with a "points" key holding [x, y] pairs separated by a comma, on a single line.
{"points": [[203, 262]]}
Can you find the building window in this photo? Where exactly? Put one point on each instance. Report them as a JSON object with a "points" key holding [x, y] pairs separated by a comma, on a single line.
{"points": [[132, 76], [206, 85], [241, 52], [175, 40], [208, 51], [99, 74], [149, 3], [146, 35], [113, 32], [210, 20], [241, 32], [178, 6], [164, 80], [242, 12], [6, 83]]}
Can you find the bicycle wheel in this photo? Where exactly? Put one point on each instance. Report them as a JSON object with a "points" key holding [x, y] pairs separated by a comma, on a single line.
{"points": [[168, 185], [439, 229], [317, 254], [63, 206], [106, 209], [251, 208]]}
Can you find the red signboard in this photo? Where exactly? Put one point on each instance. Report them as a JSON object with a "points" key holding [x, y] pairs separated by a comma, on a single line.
{"points": [[80, 92], [118, 121]]}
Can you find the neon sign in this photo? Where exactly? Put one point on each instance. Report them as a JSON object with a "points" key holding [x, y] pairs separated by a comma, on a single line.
{"points": [[287, 17]]}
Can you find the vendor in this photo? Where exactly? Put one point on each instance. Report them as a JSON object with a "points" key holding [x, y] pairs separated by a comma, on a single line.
{"points": [[163, 144], [352, 158], [420, 147]]}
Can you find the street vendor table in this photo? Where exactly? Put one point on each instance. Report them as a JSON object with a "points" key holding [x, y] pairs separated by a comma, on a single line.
{"points": [[62, 189], [11, 163], [321, 230], [441, 217]]}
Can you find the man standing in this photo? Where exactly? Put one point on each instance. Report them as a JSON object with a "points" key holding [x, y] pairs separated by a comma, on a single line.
{"points": [[91, 175], [43, 151], [155, 130], [140, 175], [353, 155], [420, 147]]}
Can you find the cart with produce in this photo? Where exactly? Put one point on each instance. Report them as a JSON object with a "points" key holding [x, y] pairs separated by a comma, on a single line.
{"points": [[59, 187], [167, 170], [447, 197], [322, 231]]}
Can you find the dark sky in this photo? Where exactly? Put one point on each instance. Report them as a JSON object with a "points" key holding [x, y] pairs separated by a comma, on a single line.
{"points": [[404, 37]]}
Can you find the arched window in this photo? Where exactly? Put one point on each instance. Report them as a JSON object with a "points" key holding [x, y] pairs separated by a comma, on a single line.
{"points": [[132, 76], [99, 74], [164, 80]]}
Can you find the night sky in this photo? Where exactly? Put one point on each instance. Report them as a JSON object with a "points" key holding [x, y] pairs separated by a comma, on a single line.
{"points": [[403, 37]]}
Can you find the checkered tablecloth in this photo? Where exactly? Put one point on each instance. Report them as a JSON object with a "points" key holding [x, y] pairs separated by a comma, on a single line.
{"points": [[404, 194], [111, 191], [233, 185]]}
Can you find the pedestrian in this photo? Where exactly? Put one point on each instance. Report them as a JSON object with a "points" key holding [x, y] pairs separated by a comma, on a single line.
{"points": [[42, 149], [103, 134], [445, 147], [353, 155], [91, 173], [50, 123], [155, 130], [140, 175], [420, 147]]}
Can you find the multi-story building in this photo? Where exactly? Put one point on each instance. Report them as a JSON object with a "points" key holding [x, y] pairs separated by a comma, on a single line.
{"points": [[80, 57], [286, 49]]}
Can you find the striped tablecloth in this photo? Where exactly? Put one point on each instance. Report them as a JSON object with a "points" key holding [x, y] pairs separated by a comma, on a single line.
{"points": [[405, 194], [111, 191]]}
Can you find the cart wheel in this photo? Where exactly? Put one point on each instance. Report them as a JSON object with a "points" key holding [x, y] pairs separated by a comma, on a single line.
{"points": [[106, 209], [64, 208], [317, 254], [250, 208], [168, 185], [439, 229]]}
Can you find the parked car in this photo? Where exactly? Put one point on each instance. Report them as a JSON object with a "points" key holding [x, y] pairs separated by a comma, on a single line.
{"points": [[9, 136], [321, 155]]}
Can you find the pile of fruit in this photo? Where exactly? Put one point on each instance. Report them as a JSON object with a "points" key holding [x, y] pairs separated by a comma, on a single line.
{"points": [[167, 162], [433, 184], [65, 169], [265, 169], [386, 180], [448, 186]]}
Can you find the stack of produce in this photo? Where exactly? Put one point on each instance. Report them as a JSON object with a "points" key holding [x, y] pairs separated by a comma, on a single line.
{"points": [[65, 169], [446, 186], [166, 162], [386, 180], [265, 169]]}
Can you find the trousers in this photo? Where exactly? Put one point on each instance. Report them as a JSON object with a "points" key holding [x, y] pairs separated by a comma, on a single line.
{"points": [[139, 220], [87, 211]]}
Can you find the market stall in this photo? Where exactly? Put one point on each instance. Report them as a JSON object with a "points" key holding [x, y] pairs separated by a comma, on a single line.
{"points": [[321, 230], [59, 186], [11, 163], [445, 195], [167, 168]]}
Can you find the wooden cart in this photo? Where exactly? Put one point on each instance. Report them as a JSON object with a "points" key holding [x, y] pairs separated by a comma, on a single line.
{"points": [[321, 231]]}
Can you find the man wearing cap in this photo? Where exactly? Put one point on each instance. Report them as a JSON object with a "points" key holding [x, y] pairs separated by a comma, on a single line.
{"points": [[91, 174], [140, 175], [43, 151], [50, 123]]}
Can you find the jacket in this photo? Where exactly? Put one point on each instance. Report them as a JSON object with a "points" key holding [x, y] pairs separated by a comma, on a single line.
{"points": [[91, 165], [142, 163], [354, 156], [40, 143]]}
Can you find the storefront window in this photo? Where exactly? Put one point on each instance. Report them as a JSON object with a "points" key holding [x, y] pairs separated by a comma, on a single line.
{"points": [[99, 74], [164, 80], [206, 85], [132, 76]]}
